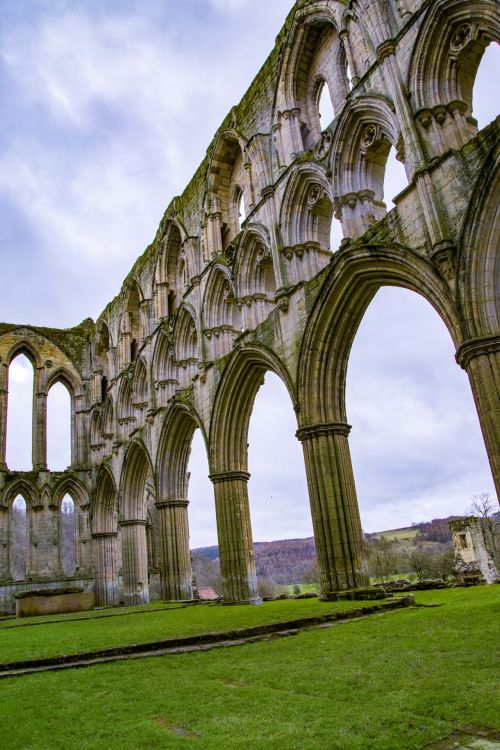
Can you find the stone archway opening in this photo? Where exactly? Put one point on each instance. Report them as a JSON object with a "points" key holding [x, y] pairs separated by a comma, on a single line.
{"points": [[58, 427], [229, 438], [133, 522], [415, 440], [20, 414], [106, 541], [395, 179], [484, 105], [325, 106], [277, 489], [202, 520]]}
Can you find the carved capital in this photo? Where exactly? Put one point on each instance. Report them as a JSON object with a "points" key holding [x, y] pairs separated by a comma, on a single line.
{"points": [[267, 192], [444, 255], [229, 476], [172, 503], [282, 301], [424, 118], [324, 428], [104, 534], [385, 49], [476, 348]]}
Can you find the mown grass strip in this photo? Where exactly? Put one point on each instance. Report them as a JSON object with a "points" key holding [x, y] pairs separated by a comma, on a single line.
{"points": [[381, 683], [91, 634], [238, 636]]}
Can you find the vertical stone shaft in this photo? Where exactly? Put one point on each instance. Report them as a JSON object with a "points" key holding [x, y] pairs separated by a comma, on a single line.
{"points": [[3, 415], [175, 556], [135, 562], [334, 507], [239, 579], [39, 439], [4, 542], [79, 455], [481, 360], [106, 573]]}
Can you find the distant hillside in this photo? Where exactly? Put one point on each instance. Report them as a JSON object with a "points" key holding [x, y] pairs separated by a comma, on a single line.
{"points": [[283, 561], [293, 560]]}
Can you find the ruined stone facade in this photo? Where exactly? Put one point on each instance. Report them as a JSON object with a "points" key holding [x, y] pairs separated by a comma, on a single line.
{"points": [[214, 303], [474, 546]]}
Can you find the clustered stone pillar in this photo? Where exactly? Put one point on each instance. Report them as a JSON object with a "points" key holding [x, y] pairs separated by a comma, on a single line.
{"points": [[3, 415], [176, 573], [334, 507], [79, 449], [239, 579], [135, 561], [480, 358], [39, 439], [106, 573], [4, 542]]}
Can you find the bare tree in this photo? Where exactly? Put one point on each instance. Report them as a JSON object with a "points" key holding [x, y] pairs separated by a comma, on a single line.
{"points": [[486, 508], [382, 558]]}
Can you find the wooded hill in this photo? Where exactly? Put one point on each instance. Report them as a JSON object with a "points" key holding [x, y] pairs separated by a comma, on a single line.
{"points": [[293, 560], [283, 561]]}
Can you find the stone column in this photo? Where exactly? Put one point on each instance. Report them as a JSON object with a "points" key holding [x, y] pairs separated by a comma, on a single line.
{"points": [[83, 538], [234, 531], [3, 415], [135, 561], [480, 358], [106, 573], [334, 507], [79, 432], [4, 542], [39, 435], [175, 556], [351, 59]]}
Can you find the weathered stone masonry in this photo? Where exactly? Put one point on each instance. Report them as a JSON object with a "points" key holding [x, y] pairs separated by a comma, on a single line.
{"points": [[213, 303]]}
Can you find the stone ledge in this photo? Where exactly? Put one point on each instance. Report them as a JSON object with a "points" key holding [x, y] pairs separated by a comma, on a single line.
{"points": [[202, 642]]}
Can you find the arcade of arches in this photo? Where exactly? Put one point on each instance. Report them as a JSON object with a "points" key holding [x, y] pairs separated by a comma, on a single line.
{"points": [[242, 278]]}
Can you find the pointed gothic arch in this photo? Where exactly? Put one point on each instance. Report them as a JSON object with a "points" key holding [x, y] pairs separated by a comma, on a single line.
{"points": [[222, 318], [164, 372], [443, 68], [255, 280]]}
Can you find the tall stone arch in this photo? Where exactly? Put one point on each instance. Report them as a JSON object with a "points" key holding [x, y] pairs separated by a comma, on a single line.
{"points": [[228, 456], [104, 521], [174, 449], [137, 469], [323, 427]]}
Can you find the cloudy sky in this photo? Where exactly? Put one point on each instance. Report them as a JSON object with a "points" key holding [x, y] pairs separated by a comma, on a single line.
{"points": [[107, 110]]}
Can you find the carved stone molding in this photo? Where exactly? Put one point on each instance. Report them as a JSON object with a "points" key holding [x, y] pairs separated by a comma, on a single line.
{"points": [[322, 148], [229, 476], [172, 504], [476, 348], [324, 428], [461, 37], [444, 256]]}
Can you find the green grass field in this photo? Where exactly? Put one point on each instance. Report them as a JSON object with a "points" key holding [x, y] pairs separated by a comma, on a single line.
{"points": [[57, 635], [394, 681]]}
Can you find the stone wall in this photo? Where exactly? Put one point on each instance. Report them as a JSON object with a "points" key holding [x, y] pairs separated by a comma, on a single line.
{"points": [[214, 302]]}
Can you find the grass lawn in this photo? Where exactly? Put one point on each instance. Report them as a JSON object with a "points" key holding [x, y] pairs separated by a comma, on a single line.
{"points": [[389, 682], [58, 636]]}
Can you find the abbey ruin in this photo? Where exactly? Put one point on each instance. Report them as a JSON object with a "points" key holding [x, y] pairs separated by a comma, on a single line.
{"points": [[214, 302]]}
